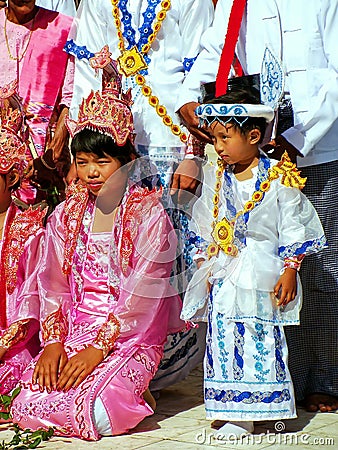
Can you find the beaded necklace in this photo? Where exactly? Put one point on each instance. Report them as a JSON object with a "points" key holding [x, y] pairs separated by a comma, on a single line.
{"points": [[134, 60], [223, 231], [144, 43], [19, 57]]}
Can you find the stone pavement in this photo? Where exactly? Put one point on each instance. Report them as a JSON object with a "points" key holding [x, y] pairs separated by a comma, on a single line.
{"points": [[179, 424]]}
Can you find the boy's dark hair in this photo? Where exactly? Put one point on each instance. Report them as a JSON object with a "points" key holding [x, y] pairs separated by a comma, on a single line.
{"points": [[89, 141], [242, 96]]}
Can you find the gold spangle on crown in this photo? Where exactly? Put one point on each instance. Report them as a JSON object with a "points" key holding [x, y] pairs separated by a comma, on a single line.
{"points": [[131, 62], [289, 172], [106, 114]]}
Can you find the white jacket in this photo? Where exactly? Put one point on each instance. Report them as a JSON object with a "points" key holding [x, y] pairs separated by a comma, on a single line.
{"points": [[63, 6], [304, 35], [178, 40]]}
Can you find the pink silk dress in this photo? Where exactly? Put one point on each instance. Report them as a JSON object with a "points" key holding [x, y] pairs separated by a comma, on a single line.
{"points": [[117, 297], [20, 249]]}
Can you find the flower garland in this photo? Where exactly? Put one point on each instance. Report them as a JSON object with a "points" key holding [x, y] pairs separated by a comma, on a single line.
{"points": [[133, 60], [223, 230]]}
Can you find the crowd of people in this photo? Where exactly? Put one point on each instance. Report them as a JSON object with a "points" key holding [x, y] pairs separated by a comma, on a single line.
{"points": [[126, 257]]}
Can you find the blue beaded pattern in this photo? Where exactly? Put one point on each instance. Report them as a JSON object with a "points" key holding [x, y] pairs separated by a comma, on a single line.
{"points": [[231, 211], [238, 362], [223, 354], [209, 362], [262, 352], [81, 52], [145, 30], [188, 63], [302, 248], [230, 395], [279, 363], [271, 80]]}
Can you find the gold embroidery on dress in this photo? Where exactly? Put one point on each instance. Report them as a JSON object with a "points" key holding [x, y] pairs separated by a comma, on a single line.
{"points": [[25, 224], [137, 206], [15, 333], [107, 334], [55, 327], [76, 201]]}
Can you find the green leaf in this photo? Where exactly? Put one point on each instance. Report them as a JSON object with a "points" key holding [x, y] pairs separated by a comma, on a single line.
{"points": [[32, 434], [35, 443], [27, 439], [15, 440], [16, 392], [5, 400]]}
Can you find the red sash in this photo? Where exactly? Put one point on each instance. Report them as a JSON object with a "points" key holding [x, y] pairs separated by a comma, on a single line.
{"points": [[228, 52]]}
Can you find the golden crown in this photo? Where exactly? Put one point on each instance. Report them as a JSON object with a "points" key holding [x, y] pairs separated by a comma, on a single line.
{"points": [[108, 115]]}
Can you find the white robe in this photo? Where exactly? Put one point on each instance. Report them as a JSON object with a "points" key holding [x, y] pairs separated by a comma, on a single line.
{"points": [[178, 39], [246, 376], [303, 35]]}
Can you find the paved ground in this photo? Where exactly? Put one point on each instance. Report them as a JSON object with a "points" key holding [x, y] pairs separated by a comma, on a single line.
{"points": [[179, 424]]}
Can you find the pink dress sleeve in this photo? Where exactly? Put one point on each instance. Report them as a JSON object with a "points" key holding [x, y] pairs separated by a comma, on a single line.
{"points": [[53, 285], [23, 303]]}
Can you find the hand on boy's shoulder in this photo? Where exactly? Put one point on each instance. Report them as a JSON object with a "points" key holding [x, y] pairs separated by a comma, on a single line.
{"points": [[276, 148]]}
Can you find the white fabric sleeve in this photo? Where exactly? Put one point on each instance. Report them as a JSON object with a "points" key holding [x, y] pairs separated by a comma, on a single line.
{"points": [[66, 7], [324, 107], [205, 67], [89, 30], [196, 16]]}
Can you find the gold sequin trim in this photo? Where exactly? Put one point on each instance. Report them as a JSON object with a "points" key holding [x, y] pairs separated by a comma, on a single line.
{"points": [[15, 333]]}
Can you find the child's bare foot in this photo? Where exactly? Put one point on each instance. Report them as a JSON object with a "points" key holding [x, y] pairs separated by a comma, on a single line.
{"points": [[321, 402], [148, 398], [216, 424]]}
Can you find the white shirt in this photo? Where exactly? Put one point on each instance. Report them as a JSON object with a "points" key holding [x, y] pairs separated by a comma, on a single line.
{"points": [[66, 7], [178, 38], [303, 34]]}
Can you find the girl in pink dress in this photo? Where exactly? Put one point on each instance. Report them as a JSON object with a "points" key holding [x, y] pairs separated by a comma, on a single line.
{"points": [[21, 233], [107, 305]]}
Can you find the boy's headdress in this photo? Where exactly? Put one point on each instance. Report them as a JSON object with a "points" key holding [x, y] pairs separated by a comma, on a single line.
{"points": [[267, 88], [107, 112], [12, 148]]}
